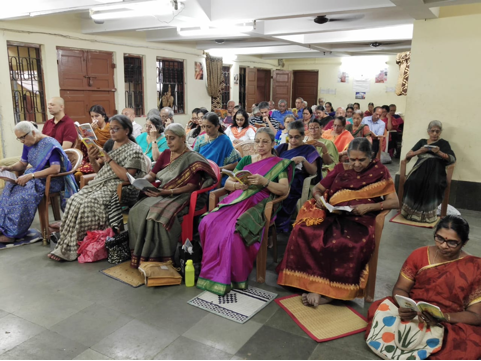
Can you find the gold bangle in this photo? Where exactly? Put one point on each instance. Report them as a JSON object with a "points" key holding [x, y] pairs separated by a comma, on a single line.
{"points": [[449, 317]]}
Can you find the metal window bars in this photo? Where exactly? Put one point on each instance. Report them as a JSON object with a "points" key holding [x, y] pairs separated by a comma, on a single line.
{"points": [[134, 90], [170, 78]]}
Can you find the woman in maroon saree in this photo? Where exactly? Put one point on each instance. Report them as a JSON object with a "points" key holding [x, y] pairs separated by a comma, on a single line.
{"points": [[328, 253], [446, 276]]}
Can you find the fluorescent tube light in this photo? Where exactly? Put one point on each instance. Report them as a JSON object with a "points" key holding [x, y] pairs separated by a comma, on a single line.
{"points": [[231, 30]]}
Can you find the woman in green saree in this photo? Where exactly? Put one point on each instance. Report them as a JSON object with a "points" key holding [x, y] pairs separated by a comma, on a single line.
{"points": [[325, 147]]}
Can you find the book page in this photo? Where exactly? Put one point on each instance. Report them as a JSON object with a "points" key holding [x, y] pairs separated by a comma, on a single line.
{"points": [[406, 302], [8, 176], [87, 131], [433, 310]]}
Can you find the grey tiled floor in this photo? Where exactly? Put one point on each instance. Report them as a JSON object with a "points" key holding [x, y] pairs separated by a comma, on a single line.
{"points": [[52, 310]]}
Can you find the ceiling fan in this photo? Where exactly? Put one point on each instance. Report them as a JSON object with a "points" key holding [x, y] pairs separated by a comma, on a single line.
{"points": [[322, 19]]}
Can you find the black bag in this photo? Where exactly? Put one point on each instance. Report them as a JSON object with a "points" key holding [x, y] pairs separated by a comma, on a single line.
{"points": [[181, 256], [118, 247]]}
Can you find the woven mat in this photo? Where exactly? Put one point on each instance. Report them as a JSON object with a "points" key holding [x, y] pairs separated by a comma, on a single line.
{"points": [[125, 274], [398, 218], [32, 236], [325, 322]]}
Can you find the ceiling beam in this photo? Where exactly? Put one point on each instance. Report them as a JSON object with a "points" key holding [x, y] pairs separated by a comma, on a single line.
{"points": [[417, 9], [237, 44], [171, 34], [303, 55]]}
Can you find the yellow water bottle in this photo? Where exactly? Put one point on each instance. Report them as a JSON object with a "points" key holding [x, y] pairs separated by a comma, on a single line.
{"points": [[189, 274]]}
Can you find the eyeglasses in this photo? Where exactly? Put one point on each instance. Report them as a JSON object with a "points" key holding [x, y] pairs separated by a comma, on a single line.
{"points": [[296, 137], [115, 130], [164, 117], [262, 142], [449, 242], [22, 138], [437, 131]]}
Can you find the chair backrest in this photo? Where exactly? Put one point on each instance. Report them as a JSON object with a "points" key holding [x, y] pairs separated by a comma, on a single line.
{"points": [[216, 169], [148, 163], [75, 157], [247, 147]]}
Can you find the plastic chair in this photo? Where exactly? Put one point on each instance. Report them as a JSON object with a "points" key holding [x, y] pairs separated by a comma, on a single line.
{"points": [[378, 155], [306, 190], [75, 156], [247, 147], [188, 221], [449, 177]]}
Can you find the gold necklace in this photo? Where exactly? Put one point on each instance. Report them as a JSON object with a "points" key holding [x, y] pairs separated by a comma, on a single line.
{"points": [[217, 136]]}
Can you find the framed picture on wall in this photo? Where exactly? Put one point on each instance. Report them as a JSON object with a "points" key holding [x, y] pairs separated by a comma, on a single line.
{"points": [[360, 95], [382, 76], [199, 71]]}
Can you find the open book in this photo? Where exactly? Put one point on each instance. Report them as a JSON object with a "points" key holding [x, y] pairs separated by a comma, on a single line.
{"points": [[429, 146], [406, 302], [8, 176], [142, 184], [240, 175], [87, 135], [333, 209]]}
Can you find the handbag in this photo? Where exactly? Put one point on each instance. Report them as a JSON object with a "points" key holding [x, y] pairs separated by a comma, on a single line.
{"points": [[393, 339], [160, 274], [92, 248], [118, 248], [189, 250]]}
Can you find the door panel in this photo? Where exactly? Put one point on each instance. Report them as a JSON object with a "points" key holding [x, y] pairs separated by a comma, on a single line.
{"points": [[251, 87], [263, 85], [77, 105], [105, 99], [100, 70], [72, 69], [281, 86], [305, 85]]}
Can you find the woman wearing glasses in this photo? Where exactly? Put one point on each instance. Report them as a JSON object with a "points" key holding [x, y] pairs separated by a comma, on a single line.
{"points": [[426, 183], [20, 199], [339, 135], [326, 148], [95, 206], [153, 141], [444, 275]]}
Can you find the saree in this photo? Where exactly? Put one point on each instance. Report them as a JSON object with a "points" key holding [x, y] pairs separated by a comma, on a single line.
{"points": [[18, 204], [88, 209], [283, 220], [341, 141], [86, 168], [361, 132], [426, 183], [453, 287], [328, 254], [227, 260], [155, 222], [331, 150], [147, 147]]}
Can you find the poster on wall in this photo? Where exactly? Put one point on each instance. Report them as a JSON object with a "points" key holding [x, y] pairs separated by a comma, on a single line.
{"points": [[361, 85], [382, 76], [343, 77], [199, 71], [360, 95]]}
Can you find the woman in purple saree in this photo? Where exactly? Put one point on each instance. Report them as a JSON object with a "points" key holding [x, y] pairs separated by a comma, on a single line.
{"points": [[231, 233]]}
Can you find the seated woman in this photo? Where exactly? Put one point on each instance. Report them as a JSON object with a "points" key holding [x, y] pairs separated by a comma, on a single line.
{"points": [[308, 162], [101, 126], [194, 120], [357, 129], [448, 277], [281, 136], [153, 141], [307, 117], [230, 244], [326, 148], [215, 145], [340, 136], [90, 208], [155, 221], [240, 130], [329, 109], [426, 183], [196, 129], [327, 254], [370, 110], [20, 199]]}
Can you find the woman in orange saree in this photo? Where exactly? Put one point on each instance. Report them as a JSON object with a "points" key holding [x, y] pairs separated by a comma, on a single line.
{"points": [[445, 276], [328, 253], [340, 136]]}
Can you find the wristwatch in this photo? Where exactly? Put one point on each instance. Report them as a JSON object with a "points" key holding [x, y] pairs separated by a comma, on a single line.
{"points": [[33, 175]]}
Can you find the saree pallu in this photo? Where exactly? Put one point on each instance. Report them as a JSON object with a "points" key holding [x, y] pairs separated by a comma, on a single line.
{"points": [[341, 141], [155, 222], [453, 287], [238, 134], [328, 254], [18, 204], [283, 220], [333, 152], [426, 183], [227, 261], [88, 210]]}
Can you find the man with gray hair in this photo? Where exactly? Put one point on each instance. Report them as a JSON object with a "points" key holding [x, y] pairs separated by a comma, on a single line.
{"points": [[130, 113], [281, 113], [299, 107], [167, 116], [264, 120]]}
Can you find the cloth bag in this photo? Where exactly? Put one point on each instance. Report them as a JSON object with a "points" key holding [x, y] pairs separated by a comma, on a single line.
{"points": [[92, 248], [393, 339], [160, 274], [118, 248]]}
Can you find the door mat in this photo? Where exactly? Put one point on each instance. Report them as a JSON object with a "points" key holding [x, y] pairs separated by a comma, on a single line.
{"points": [[32, 236], [125, 274], [398, 218]]}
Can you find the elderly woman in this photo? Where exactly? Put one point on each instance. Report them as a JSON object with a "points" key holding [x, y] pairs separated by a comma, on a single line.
{"points": [[326, 148], [328, 253], [229, 240], [155, 221], [426, 183], [446, 276], [20, 199], [153, 141], [281, 136], [308, 162], [339, 136], [240, 130], [96, 205], [357, 129]]}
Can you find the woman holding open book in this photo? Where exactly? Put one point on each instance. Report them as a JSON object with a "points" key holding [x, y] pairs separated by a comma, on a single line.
{"points": [[445, 276], [231, 233], [328, 253]]}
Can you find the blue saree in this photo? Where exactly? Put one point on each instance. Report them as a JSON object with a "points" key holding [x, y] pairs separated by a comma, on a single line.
{"points": [[18, 204]]}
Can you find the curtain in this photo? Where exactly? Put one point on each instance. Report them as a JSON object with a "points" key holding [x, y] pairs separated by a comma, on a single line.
{"points": [[214, 75], [403, 60]]}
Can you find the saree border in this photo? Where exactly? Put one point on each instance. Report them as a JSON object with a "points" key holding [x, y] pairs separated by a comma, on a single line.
{"points": [[220, 289], [381, 188]]}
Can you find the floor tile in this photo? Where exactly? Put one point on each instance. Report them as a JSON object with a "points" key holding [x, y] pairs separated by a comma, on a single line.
{"points": [[91, 325], [47, 345], [90, 354], [15, 330], [282, 321], [266, 313], [221, 333], [351, 347], [273, 344], [186, 349], [3, 313], [135, 341]]}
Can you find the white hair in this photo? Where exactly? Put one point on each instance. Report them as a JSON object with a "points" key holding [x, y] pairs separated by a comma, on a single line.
{"points": [[24, 127], [170, 112], [176, 128]]}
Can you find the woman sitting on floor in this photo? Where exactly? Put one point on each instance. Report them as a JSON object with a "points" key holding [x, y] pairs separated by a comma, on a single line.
{"points": [[155, 221], [20, 199], [308, 162], [90, 208], [326, 148], [328, 253], [357, 129], [340, 136], [446, 276], [229, 240], [426, 183], [153, 141], [241, 129]]}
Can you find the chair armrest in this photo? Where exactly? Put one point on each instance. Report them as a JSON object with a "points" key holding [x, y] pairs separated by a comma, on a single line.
{"points": [[49, 180], [214, 197], [119, 189], [270, 206], [86, 178]]}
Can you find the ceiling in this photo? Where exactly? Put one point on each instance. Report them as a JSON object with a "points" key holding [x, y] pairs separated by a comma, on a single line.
{"points": [[270, 29]]}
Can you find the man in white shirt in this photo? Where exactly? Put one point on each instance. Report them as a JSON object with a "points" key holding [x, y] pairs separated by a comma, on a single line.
{"points": [[130, 113], [376, 126]]}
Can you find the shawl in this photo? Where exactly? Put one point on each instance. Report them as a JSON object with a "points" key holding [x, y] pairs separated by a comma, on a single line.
{"points": [[239, 134], [341, 141], [359, 133], [102, 135], [307, 151]]}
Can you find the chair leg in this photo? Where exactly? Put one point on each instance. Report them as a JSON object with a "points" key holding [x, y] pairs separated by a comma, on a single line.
{"points": [[43, 216], [261, 262], [55, 202], [274, 241]]}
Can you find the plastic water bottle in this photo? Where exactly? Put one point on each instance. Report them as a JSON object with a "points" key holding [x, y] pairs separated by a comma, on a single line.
{"points": [[189, 274]]}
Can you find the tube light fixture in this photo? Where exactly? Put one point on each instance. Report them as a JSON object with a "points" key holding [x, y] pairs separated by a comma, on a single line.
{"points": [[135, 9], [201, 31]]}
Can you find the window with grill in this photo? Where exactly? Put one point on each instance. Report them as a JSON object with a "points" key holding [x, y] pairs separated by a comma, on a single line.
{"points": [[134, 87], [242, 87], [26, 81], [226, 91], [170, 85]]}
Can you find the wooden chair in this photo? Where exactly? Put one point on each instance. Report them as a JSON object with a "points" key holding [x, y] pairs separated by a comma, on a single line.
{"points": [[75, 156], [402, 181], [246, 148], [269, 231]]}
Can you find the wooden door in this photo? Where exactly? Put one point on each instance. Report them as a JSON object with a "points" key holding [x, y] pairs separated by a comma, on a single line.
{"points": [[100, 70], [72, 69], [77, 105], [305, 85], [251, 88], [281, 86], [263, 85]]}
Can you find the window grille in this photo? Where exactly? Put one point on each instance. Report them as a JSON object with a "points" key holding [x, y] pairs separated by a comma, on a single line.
{"points": [[170, 77], [242, 87], [134, 89], [226, 91]]}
